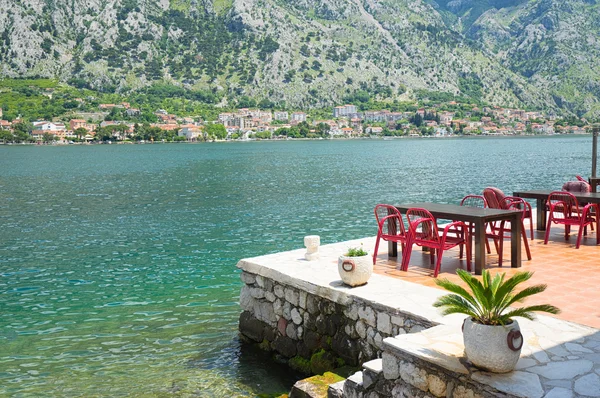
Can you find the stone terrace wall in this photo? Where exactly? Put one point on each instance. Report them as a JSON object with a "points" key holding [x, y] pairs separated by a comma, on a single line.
{"points": [[406, 376], [313, 333]]}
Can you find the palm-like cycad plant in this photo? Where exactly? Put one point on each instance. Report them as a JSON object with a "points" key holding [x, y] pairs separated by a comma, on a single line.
{"points": [[489, 300]]}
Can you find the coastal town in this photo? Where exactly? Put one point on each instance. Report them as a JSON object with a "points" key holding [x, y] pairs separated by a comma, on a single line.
{"points": [[123, 123]]}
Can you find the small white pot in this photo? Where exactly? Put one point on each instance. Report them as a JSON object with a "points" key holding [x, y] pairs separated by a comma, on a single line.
{"points": [[355, 271], [493, 348]]}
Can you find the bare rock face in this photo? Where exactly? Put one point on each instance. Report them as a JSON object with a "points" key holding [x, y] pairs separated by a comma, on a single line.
{"points": [[312, 52]]}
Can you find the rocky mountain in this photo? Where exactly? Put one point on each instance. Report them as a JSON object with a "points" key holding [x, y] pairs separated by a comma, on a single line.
{"points": [[311, 53]]}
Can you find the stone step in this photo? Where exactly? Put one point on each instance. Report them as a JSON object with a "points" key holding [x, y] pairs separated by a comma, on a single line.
{"points": [[374, 366], [354, 385], [315, 386], [336, 390], [372, 372]]}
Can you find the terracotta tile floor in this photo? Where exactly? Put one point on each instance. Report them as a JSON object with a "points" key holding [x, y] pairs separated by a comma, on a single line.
{"points": [[572, 275]]}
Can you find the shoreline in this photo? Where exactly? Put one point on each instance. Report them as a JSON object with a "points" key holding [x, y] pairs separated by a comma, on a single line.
{"points": [[386, 138]]}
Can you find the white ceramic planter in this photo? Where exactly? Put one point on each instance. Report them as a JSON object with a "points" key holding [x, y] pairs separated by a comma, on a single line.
{"points": [[355, 271], [493, 348]]}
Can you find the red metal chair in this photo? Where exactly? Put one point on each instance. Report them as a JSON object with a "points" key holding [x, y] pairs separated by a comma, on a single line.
{"points": [[479, 202], [496, 199], [580, 185], [423, 231], [564, 209], [390, 227], [474, 201]]}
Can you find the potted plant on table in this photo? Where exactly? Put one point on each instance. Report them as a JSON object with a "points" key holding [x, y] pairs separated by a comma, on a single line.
{"points": [[492, 338], [355, 266]]}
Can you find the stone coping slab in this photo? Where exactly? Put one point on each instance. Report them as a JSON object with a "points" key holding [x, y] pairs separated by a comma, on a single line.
{"points": [[559, 358], [321, 278]]}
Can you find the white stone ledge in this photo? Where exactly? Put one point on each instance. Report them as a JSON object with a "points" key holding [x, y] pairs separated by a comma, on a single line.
{"points": [[322, 279]]}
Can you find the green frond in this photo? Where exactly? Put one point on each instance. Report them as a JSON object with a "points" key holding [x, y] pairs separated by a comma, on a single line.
{"points": [[541, 308], [517, 312], [490, 299], [511, 283], [528, 291], [457, 310], [476, 287], [497, 282], [527, 312], [486, 279], [456, 289], [453, 300]]}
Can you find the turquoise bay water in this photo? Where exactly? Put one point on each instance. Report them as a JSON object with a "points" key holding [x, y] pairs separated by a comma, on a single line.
{"points": [[117, 262]]}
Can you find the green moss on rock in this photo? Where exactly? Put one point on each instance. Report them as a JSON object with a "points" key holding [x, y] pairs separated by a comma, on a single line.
{"points": [[316, 386], [265, 345], [300, 364], [322, 361]]}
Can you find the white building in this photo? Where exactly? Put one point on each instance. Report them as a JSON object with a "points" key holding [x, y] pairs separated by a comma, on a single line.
{"points": [[48, 126], [344, 111], [281, 115], [299, 116], [191, 133]]}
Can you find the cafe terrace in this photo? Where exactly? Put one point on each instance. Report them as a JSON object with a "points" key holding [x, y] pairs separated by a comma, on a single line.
{"points": [[303, 312]]}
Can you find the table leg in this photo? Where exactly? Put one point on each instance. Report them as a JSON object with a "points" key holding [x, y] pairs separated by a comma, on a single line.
{"points": [[541, 215], [515, 241], [392, 249], [479, 246]]}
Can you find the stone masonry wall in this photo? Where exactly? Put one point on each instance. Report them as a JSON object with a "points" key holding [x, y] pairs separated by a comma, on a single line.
{"points": [[404, 376], [313, 333]]}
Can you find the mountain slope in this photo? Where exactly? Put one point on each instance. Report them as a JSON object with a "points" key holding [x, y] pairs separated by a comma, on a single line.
{"points": [[312, 53], [556, 45]]}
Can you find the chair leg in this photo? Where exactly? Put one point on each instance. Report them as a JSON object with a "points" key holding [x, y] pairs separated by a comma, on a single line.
{"points": [[438, 263], [579, 237], [567, 231], [487, 246], [526, 244], [531, 225], [496, 244], [548, 224], [375, 251], [406, 257]]}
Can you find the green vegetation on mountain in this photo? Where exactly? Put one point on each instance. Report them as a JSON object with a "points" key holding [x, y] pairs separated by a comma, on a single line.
{"points": [[37, 99], [211, 54]]}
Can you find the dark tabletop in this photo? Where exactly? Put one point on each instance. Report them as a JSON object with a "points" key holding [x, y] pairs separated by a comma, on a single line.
{"points": [[460, 213], [588, 197]]}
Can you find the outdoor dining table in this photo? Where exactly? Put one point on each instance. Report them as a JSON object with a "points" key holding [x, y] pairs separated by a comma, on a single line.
{"points": [[542, 197], [479, 217]]}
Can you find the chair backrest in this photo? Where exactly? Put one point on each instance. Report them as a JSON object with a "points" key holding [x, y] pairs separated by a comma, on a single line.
{"points": [[576, 186], [495, 198], [474, 201], [393, 225], [422, 225], [563, 204]]}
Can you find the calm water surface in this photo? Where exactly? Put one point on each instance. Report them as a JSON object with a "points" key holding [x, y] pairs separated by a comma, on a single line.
{"points": [[117, 262]]}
